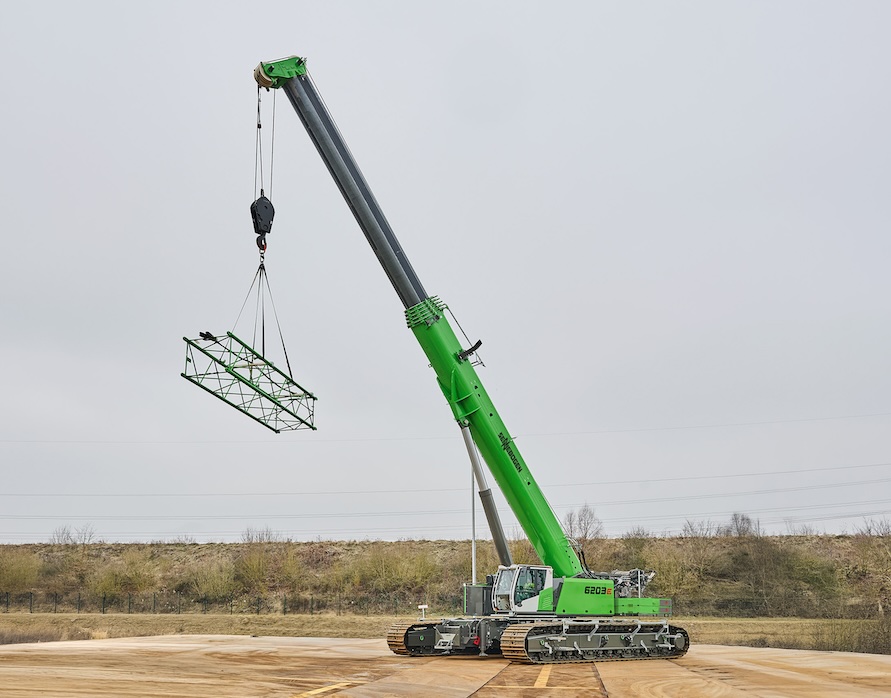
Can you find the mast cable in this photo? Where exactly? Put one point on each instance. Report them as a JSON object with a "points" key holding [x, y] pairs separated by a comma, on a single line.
{"points": [[272, 144], [278, 325], [261, 277], [258, 149], [256, 146], [256, 274], [256, 312], [262, 312]]}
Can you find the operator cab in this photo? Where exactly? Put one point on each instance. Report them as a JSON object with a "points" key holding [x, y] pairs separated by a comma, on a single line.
{"points": [[518, 588]]}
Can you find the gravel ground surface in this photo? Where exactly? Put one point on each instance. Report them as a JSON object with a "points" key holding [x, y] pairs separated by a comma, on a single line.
{"points": [[219, 666]]}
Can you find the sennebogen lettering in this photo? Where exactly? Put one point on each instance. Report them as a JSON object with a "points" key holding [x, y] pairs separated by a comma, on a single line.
{"points": [[505, 444]]}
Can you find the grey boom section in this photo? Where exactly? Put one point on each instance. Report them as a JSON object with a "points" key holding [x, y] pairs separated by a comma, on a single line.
{"points": [[487, 500], [337, 157]]}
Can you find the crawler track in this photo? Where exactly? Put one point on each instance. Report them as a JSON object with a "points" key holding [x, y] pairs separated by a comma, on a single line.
{"points": [[561, 640], [396, 637], [592, 641]]}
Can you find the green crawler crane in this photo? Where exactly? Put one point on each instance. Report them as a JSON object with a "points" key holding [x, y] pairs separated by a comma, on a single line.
{"points": [[558, 611]]}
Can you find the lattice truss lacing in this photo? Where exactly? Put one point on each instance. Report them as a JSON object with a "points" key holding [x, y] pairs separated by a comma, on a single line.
{"points": [[243, 378]]}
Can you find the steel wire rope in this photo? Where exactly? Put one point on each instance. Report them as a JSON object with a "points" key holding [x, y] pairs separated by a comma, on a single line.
{"points": [[260, 306], [246, 298], [258, 147], [257, 306], [272, 145], [261, 278], [281, 335]]}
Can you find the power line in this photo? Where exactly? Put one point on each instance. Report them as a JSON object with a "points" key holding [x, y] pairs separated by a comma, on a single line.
{"points": [[434, 438], [715, 426], [435, 490], [415, 529], [323, 535], [426, 512], [806, 507]]}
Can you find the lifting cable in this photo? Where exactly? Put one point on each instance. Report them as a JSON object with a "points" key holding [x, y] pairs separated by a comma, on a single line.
{"points": [[261, 279], [238, 373], [262, 213], [258, 147]]}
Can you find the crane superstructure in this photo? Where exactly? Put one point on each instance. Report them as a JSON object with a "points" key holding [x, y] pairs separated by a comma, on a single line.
{"points": [[557, 611]]}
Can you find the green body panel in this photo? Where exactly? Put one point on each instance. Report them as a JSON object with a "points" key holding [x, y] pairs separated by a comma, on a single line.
{"points": [[643, 607], [546, 600], [285, 69], [471, 404], [587, 596]]}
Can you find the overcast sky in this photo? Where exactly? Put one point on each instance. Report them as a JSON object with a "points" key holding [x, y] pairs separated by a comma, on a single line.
{"points": [[667, 222]]}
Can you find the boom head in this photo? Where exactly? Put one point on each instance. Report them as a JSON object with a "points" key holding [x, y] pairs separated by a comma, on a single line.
{"points": [[274, 73]]}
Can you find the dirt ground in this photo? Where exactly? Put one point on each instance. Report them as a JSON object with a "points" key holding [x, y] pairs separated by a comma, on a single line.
{"points": [[214, 666]]}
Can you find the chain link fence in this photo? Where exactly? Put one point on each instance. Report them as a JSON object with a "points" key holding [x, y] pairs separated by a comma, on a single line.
{"points": [[175, 602]]}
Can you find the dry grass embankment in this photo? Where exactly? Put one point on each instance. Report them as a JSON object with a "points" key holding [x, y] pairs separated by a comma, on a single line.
{"points": [[822, 592]]}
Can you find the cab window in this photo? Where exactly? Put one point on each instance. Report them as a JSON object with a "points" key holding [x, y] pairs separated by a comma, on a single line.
{"points": [[530, 582], [502, 590]]}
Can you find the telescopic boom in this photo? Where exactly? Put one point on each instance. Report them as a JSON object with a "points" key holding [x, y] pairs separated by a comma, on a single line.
{"points": [[455, 373]]}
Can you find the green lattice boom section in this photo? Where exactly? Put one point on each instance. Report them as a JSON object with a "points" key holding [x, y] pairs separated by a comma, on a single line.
{"points": [[241, 377]]}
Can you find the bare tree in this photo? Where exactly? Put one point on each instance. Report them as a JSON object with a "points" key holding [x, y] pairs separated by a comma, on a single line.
{"points": [[259, 535], [62, 535], [635, 543], [741, 525], [637, 533], [583, 525], [84, 535], [799, 529], [698, 529], [875, 527]]}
